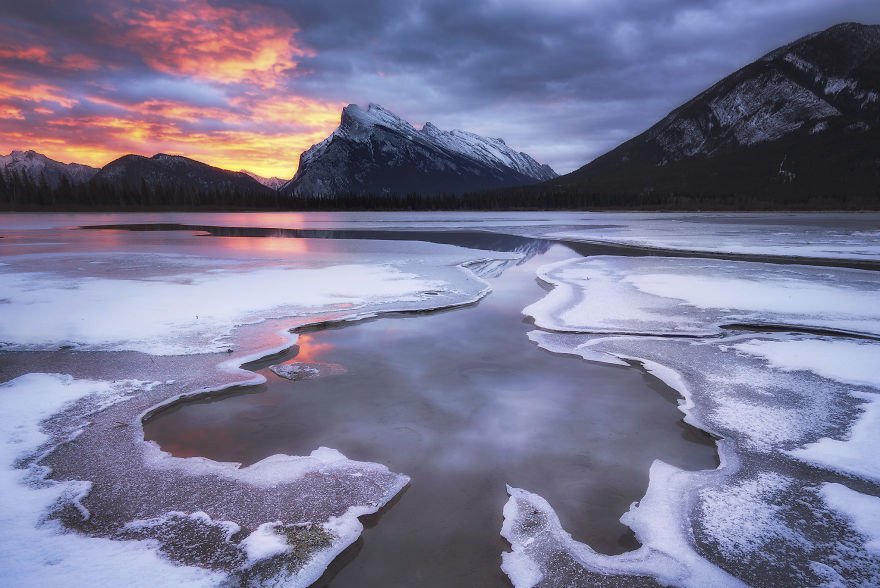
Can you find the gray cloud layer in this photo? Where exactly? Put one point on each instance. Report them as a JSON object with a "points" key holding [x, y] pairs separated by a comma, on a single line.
{"points": [[564, 80], [561, 79]]}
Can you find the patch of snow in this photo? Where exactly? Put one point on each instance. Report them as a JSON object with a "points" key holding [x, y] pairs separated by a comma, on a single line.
{"points": [[690, 296], [273, 182], [862, 510], [743, 517], [850, 362], [486, 150], [187, 313], [667, 554], [264, 543], [40, 552], [857, 454]]}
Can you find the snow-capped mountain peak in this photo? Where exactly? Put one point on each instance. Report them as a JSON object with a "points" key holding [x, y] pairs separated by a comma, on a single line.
{"points": [[274, 183], [356, 120], [375, 151], [37, 168], [492, 151]]}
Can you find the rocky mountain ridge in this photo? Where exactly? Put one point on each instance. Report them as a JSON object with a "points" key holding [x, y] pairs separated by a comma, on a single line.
{"points": [[373, 151]]}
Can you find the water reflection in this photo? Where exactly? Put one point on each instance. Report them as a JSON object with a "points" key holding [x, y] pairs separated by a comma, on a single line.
{"points": [[462, 402]]}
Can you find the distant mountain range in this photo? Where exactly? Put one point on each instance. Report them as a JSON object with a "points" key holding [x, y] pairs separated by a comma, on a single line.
{"points": [[38, 168], [274, 183], [801, 122], [798, 127], [172, 172], [373, 151]]}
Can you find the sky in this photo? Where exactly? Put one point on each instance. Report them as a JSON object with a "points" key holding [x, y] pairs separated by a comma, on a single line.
{"points": [[250, 84]]}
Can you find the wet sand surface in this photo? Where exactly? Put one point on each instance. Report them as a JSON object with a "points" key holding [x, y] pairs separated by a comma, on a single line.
{"points": [[463, 403]]}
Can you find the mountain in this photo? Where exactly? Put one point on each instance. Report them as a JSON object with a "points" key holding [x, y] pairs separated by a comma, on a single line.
{"points": [[801, 123], [373, 151], [274, 183], [174, 172], [38, 168]]}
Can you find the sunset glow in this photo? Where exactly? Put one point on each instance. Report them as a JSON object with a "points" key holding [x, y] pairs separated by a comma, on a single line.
{"points": [[215, 83]]}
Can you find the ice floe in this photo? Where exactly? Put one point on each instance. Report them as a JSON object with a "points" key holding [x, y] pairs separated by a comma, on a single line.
{"points": [[793, 410], [42, 553], [818, 236], [193, 312], [648, 295]]}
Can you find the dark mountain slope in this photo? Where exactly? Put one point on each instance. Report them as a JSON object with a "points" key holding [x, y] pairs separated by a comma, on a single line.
{"points": [[373, 151], [801, 123]]}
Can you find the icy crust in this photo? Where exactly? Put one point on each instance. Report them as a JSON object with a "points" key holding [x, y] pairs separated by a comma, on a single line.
{"points": [[862, 510], [680, 296], [37, 552], [846, 237], [185, 305], [192, 520], [542, 552], [761, 516], [179, 546], [297, 370], [798, 416]]}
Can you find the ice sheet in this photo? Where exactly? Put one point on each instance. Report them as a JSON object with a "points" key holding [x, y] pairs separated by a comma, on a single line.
{"points": [[851, 362], [40, 553], [823, 235], [777, 400], [543, 553], [762, 525], [856, 454], [863, 510], [818, 236], [696, 297], [195, 312], [49, 411]]}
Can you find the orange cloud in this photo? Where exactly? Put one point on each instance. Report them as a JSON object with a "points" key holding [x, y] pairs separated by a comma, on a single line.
{"points": [[35, 54], [221, 44], [97, 139], [247, 54], [44, 56], [12, 87], [7, 111]]}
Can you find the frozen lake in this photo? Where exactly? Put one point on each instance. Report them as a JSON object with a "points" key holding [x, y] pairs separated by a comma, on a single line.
{"points": [[438, 359]]}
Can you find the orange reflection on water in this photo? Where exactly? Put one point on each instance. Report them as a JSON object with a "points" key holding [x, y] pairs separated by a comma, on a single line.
{"points": [[310, 350], [290, 246], [279, 220]]}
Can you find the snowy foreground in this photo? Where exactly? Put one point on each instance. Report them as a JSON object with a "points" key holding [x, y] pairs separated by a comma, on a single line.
{"points": [[780, 362]]}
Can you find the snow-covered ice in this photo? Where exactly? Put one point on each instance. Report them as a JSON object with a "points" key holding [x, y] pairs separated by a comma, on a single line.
{"points": [[851, 362], [192, 312], [816, 236], [143, 511], [856, 454], [778, 401], [42, 554], [862, 510], [794, 500], [696, 297]]}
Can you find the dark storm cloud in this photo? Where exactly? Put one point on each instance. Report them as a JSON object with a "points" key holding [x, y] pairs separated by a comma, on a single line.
{"points": [[563, 80]]}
